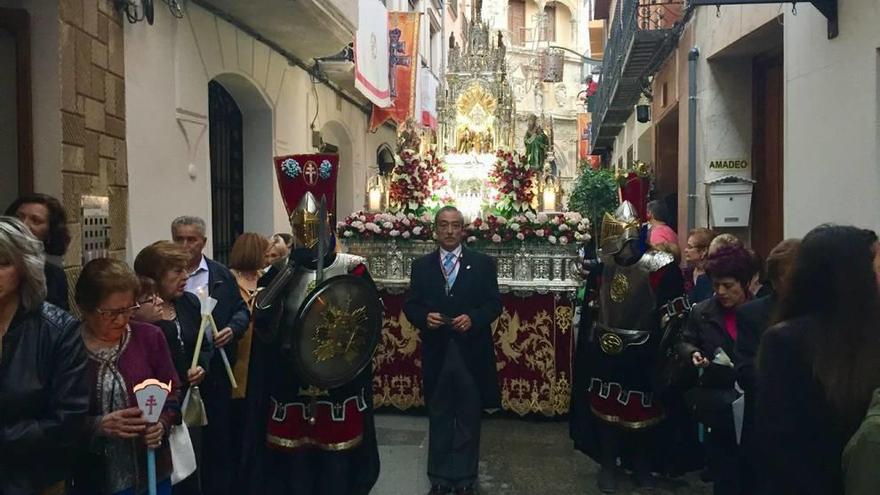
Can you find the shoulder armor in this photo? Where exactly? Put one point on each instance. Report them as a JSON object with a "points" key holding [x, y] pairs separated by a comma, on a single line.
{"points": [[655, 260], [350, 261]]}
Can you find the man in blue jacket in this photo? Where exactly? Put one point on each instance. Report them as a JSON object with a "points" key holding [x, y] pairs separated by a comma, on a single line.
{"points": [[232, 317]]}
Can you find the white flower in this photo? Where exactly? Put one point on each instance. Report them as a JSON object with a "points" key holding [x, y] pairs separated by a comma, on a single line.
{"points": [[471, 239], [520, 236], [411, 216], [399, 216], [582, 227], [578, 237], [394, 233], [496, 238], [541, 218], [405, 235], [358, 224], [551, 239], [501, 220], [531, 216], [563, 240], [417, 230], [539, 232], [406, 222], [564, 228], [514, 227], [348, 233], [484, 226], [373, 227], [521, 219], [387, 225], [362, 218], [573, 216]]}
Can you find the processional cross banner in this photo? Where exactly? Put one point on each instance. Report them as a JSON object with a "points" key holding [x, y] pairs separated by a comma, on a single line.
{"points": [[396, 56]]}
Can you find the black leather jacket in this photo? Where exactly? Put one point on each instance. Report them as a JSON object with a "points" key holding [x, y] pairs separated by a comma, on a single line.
{"points": [[44, 399]]}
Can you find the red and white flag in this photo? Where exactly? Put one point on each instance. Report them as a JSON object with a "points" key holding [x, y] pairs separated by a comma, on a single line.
{"points": [[371, 53], [428, 85]]}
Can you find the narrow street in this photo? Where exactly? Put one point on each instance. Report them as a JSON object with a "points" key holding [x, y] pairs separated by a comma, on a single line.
{"points": [[519, 457]]}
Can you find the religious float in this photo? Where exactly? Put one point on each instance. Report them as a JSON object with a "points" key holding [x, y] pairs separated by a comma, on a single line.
{"points": [[510, 202]]}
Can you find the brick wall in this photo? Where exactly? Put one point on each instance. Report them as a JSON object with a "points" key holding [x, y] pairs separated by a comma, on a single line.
{"points": [[93, 160]]}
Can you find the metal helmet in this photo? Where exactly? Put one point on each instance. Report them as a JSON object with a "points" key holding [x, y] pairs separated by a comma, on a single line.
{"points": [[305, 221], [620, 228]]}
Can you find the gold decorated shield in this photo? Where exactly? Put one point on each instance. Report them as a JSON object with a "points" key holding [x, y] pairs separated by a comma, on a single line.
{"points": [[337, 331]]}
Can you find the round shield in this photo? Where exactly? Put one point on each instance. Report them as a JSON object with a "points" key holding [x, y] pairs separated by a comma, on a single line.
{"points": [[337, 330]]}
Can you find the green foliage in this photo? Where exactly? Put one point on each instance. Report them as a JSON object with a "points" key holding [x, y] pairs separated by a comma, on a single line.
{"points": [[594, 194]]}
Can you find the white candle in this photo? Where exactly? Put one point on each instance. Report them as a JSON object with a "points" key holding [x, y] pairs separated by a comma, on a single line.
{"points": [[549, 200], [375, 202]]}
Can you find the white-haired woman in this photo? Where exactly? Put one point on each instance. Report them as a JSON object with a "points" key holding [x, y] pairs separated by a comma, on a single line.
{"points": [[44, 397]]}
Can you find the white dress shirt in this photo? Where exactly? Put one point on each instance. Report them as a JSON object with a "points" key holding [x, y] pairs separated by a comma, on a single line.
{"points": [[198, 278], [457, 253]]}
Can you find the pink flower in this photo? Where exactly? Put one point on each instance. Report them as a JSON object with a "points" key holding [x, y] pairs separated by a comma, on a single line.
{"points": [[394, 233], [563, 240], [551, 239], [520, 236], [496, 238], [539, 232], [405, 235], [417, 230]]}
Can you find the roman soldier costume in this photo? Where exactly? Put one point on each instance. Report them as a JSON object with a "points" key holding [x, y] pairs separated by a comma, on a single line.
{"points": [[633, 292], [318, 320]]}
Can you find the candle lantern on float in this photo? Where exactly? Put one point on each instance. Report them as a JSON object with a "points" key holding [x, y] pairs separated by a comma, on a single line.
{"points": [[377, 194], [551, 194]]}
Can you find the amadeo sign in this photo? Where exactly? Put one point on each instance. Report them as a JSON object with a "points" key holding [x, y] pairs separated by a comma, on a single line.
{"points": [[738, 167]]}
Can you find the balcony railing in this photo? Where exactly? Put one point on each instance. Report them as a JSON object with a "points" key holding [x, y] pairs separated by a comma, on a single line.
{"points": [[643, 34]]}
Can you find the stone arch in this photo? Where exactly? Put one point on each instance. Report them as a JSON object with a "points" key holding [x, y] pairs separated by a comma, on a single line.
{"points": [[258, 136], [347, 198]]}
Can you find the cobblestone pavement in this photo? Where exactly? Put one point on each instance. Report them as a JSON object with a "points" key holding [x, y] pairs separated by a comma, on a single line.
{"points": [[518, 457]]}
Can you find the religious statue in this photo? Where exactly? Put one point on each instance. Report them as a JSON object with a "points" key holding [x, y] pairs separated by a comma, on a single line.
{"points": [[408, 139], [465, 142], [487, 141], [536, 142]]}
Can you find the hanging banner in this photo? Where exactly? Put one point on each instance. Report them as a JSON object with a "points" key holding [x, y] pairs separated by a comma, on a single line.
{"points": [[403, 61], [428, 85], [583, 129], [370, 49], [299, 174]]}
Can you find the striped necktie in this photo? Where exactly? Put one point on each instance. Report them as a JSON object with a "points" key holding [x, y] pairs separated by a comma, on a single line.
{"points": [[449, 270]]}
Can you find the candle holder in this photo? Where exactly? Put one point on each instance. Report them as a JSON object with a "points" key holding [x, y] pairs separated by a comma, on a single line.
{"points": [[377, 194]]}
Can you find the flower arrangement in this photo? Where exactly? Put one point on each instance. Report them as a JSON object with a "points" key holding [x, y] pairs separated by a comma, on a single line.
{"points": [[413, 181], [515, 182], [559, 228], [386, 226]]}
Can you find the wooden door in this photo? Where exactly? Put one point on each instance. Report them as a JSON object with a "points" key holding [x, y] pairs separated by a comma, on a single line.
{"points": [[16, 121], [767, 159], [550, 26]]}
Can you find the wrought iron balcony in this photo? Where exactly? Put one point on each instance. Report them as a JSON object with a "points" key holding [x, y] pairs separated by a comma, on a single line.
{"points": [[643, 34]]}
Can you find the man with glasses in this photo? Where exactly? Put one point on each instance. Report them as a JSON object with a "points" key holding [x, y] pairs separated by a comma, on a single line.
{"points": [[453, 301]]}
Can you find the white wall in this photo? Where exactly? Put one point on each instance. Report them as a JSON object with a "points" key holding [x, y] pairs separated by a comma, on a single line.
{"points": [[168, 67], [832, 121]]}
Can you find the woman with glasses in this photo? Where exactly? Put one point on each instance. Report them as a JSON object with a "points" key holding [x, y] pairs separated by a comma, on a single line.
{"points": [[165, 263], [44, 397], [122, 353]]}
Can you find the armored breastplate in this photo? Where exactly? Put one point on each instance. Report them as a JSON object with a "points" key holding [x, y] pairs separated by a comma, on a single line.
{"points": [[304, 281], [626, 298]]}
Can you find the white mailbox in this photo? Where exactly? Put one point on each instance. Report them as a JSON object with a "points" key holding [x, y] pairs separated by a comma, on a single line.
{"points": [[730, 201]]}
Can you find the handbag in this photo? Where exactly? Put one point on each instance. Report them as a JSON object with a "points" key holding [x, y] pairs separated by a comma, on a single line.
{"points": [[183, 456]]}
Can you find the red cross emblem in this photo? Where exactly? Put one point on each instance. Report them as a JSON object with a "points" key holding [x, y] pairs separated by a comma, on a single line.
{"points": [[310, 173]]}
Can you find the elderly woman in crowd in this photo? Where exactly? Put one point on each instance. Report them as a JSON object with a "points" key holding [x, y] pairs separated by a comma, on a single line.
{"points": [[709, 343], [122, 353], [817, 369], [44, 397], [165, 263], [46, 219], [151, 309], [696, 283]]}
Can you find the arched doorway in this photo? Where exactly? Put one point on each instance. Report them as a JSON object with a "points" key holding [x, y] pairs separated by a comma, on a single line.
{"points": [[242, 174], [347, 199]]}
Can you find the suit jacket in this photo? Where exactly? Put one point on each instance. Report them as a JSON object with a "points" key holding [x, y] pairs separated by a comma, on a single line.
{"points": [[474, 293], [231, 310]]}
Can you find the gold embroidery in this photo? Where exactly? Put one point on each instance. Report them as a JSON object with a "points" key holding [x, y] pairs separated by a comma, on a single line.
{"points": [[564, 314], [311, 442], [339, 334], [619, 287]]}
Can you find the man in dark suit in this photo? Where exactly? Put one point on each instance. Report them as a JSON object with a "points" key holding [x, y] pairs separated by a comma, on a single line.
{"points": [[752, 320], [232, 317], [453, 301]]}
